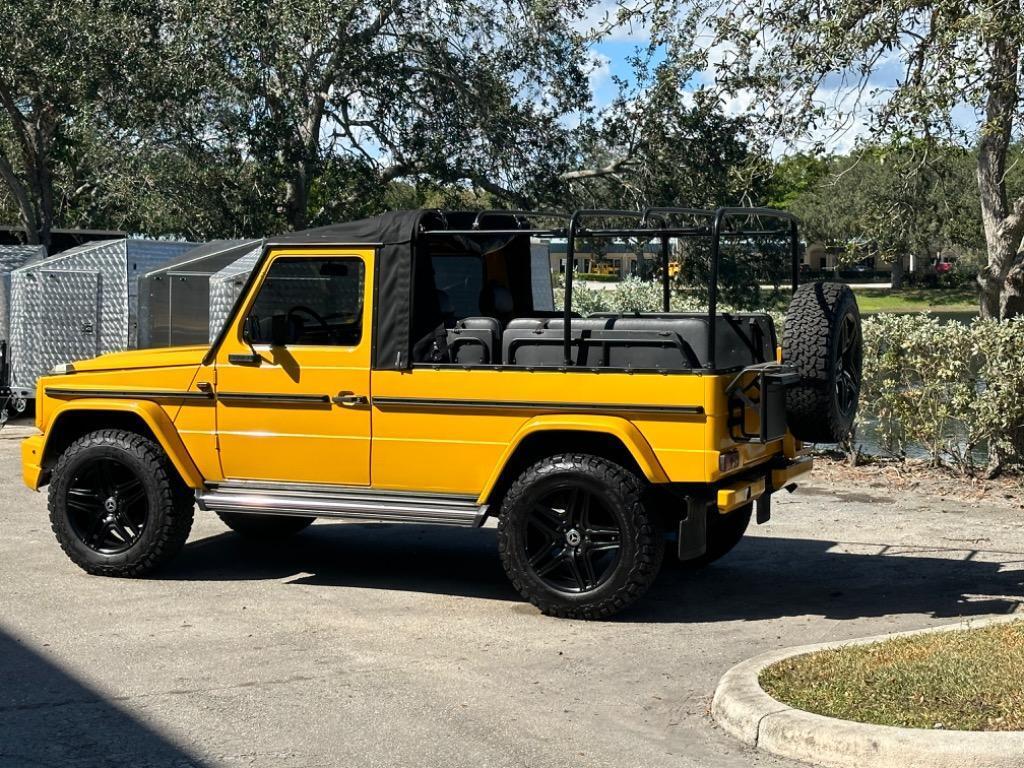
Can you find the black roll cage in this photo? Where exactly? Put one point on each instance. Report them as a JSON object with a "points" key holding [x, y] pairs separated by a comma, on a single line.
{"points": [[653, 223]]}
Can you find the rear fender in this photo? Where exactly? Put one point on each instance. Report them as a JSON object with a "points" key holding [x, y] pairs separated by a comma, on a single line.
{"points": [[621, 429]]}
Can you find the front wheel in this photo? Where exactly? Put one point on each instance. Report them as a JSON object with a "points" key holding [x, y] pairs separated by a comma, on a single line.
{"points": [[117, 506], [575, 538]]}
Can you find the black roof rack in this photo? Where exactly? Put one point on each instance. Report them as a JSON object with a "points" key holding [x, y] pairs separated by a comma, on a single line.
{"points": [[652, 222]]}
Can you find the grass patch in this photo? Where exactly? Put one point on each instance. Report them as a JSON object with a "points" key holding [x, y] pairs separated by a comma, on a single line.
{"points": [[970, 680], [917, 300]]}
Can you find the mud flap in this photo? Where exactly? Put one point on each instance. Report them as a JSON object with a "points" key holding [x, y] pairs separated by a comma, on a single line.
{"points": [[693, 529]]}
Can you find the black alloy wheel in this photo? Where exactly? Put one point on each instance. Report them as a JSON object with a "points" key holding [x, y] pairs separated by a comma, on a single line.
{"points": [[107, 506], [573, 540], [849, 354], [575, 537], [117, 505]]}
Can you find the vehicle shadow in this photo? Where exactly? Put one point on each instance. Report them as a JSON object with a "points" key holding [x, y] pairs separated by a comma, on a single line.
{"points": [[763, 578], [47, 717]]}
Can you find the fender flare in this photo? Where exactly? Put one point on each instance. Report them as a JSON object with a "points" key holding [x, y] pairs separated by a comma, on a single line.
{"points": [[615, 426], [152, 415]]}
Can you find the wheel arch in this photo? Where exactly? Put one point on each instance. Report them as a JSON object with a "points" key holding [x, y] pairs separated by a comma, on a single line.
{"points": [[610, 437], [80, 417]]}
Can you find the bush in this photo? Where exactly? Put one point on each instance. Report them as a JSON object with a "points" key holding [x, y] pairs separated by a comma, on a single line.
{"points": [[950, 389]]}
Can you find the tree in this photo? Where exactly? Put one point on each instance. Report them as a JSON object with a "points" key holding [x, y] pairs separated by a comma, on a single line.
{"points": [[811, 67], [65, 67], [896, 201], [659, 144], [457, 92]]}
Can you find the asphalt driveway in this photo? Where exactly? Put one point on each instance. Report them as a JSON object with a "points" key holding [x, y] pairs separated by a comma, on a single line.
{"points": [[385, 645]]}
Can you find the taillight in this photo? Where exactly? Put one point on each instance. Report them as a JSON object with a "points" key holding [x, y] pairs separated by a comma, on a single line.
{"points": [[728, 461]]}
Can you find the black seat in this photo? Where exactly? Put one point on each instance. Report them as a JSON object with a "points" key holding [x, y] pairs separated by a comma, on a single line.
{"points": [[475, 341], [650, 342]]}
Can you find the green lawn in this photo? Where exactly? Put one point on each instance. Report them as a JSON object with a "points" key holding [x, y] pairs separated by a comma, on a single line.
{"points": [[917, 300], [964, 680]]}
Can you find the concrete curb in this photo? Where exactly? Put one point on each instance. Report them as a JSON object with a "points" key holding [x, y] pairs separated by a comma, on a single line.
{"points": [[745, 711]]}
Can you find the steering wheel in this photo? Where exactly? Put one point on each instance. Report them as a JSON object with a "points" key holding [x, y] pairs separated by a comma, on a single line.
{"points": [[304, 310]]}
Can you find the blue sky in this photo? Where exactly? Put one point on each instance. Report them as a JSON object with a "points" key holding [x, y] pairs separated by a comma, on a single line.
{"points": [[612, 54]]}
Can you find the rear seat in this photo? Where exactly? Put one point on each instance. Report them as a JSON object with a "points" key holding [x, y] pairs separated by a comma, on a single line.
{"points": [[475, 341], [661, 342]]}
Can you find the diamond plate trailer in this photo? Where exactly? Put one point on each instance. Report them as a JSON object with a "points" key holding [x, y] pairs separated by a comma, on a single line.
{"points": [[174, 299], [11, 258], [78, 304], [226, 286]]}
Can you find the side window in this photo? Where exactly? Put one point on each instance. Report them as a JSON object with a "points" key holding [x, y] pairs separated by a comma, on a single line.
{"points": [[309, 301], [460, 278]]}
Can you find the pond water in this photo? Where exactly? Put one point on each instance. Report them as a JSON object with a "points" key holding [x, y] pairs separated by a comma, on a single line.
{"points": [[961, 316]]}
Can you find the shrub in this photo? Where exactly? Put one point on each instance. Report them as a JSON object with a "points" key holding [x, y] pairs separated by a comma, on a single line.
{"points": [[950, 389]]}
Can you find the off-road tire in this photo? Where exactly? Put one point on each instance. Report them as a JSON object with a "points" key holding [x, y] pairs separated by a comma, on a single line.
{"points": [[821, 318], [724, 533], [640, 553], [170, 503], [265, 527]]}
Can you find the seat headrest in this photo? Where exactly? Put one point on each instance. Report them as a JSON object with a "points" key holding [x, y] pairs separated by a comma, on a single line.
{"points": [[497, 299]]}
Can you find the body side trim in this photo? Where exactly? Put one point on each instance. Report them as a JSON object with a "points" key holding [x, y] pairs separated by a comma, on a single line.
{"points": [[526, 405]]}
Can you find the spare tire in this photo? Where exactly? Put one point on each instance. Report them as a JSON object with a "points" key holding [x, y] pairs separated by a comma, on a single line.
{"points": [[822, 340]]}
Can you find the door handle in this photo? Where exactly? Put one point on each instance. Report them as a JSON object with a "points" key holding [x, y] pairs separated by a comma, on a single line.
{"points": [[349, 399]]}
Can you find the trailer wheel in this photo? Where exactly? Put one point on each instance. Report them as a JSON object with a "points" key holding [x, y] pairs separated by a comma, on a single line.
{"points": [[576, 539], [822, 340], [117, 506]]}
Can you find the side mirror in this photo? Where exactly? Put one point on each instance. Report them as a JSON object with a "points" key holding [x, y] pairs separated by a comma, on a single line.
{"points": [[279, 330], [250, 329]]}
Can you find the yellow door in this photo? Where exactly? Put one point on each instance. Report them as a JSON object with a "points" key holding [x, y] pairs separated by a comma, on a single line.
{"points": [[293, 373]]}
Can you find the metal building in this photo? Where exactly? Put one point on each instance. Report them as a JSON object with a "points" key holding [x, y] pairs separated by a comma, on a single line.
{"points": [[225, 287], [78, 304], [174, 299]]}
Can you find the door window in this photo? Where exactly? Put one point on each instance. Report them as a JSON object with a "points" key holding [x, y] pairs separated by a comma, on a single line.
{"points": [[309, 302]]}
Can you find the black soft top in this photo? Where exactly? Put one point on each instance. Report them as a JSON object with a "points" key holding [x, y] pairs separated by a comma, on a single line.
{"points": [[397, 237]]}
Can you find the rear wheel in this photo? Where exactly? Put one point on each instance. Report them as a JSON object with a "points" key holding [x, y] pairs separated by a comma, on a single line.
{"points": [[575, 538], [117, 506], [265, 527]]}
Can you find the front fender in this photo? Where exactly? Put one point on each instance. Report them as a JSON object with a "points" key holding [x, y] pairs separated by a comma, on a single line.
{"points": [[622, 429], [152, 415]]}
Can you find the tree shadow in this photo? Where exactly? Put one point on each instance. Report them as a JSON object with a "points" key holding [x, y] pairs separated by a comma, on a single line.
{"points": [[763, 578], [48, 718]]}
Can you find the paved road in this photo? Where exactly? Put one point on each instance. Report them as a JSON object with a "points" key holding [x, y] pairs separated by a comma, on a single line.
{"points": [[369, 645]]}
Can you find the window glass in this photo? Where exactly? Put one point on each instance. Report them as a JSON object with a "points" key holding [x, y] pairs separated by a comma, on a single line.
{"points": [[461, 278], [309, 301]]}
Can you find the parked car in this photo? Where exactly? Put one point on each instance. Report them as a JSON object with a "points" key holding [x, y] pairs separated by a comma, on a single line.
{"points": [[347, 384]]}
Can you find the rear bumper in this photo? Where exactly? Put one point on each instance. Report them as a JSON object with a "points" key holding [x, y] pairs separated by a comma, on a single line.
{"points": [[740, 492], [31, 460]]}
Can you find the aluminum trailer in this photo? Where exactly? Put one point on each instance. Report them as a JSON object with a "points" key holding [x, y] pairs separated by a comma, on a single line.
{"points": [[78, 304], [12, 257], [226, 286], [174, 299]]}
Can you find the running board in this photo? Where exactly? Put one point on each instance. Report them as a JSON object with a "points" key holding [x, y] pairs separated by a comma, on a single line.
{"points": [[330, 501]]}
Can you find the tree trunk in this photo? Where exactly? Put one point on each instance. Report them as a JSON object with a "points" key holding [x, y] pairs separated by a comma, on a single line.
{"points": [[897, 272], [1004, 226]]}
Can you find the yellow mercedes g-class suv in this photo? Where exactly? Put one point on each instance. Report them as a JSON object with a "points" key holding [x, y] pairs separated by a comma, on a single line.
{"points": [[402, 369]]}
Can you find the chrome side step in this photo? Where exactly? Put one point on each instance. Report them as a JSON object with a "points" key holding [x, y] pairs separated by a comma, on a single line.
{"points": [[341, 502]]}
